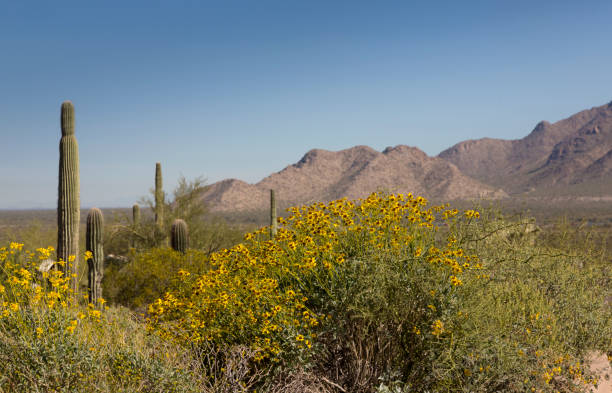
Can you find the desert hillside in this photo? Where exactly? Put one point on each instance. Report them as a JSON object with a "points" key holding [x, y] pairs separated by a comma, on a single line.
{"points": [[571, 156], [323, 175]]}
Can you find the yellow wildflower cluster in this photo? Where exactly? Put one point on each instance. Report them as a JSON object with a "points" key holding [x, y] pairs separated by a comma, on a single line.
{"points": [[254, 293], [34, 301], [437, 328]]}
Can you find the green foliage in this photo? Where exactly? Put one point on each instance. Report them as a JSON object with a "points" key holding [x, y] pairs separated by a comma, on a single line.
{"points": [[68, 203], [51, 341], [425, 300], [148, 275], [385, 294]]}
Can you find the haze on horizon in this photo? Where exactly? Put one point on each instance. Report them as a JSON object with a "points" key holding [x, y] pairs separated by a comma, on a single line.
{"points": [[241, 89]]}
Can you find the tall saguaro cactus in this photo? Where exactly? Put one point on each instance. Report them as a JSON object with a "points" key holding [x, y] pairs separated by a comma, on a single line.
{"points": [[135, 224], [136, 215], [159, 201], [273, 220], [159, 195], [68, 201], [95, 263], [179, 236]]}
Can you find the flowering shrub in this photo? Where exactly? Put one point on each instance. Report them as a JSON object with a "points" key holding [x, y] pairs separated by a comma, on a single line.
{"points": [[52, 340], [273, 294], [383, 293], [390, 289], [147, 275]]}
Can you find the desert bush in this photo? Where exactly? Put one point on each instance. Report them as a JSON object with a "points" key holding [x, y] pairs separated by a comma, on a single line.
{"points": [[52, 341], [387, 292], [383, 294], [272, 295], [148, 274], [146, 270]]}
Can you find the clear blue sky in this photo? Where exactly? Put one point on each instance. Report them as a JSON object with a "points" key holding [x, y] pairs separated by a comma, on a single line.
{"points": [[241, 89]]}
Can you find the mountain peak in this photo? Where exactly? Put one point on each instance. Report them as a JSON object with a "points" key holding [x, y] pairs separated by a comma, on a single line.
{"points": [[541, 126], [558, 153], [402, 149]]}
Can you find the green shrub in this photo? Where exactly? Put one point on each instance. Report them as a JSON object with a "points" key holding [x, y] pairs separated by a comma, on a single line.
{"points": [[50, 341], [396, 293], [147, 275]]}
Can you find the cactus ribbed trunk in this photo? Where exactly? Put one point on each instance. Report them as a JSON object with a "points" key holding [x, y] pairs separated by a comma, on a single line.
{"points": [[135, 224], [159, 203], [136, 215], [179, 236], [94, 238], [159, 196], [68, 201], [273, 220]]}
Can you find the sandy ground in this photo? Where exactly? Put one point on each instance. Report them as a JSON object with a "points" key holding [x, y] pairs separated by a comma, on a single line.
{"points": [[600, 364]]}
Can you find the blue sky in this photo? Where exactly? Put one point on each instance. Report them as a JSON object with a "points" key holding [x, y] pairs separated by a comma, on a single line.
{"points": [[241, 89]]}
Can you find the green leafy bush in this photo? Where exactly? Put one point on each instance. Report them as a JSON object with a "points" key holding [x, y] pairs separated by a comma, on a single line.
{"points": [[148, 274], [51, 341], [398, 294]]}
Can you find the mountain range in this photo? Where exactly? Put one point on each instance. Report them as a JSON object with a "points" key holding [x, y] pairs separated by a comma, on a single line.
{"points": [[569, 158]]}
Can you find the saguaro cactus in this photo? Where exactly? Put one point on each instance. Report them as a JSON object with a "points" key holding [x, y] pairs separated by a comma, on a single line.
{"points": [[273, 223], [136, 215], [95, 262], [68, 201], [159, 203], [159, 196], [179, 236], [135, 224]]}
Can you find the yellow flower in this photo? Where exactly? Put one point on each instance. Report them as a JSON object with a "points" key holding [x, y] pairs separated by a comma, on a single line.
{"points": [[299, 337], [16, 246], [72, 326], [437, 328], [88, 255]]}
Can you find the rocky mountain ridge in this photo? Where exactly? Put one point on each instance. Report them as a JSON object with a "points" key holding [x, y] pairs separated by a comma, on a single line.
{"points": [[571, 157], [323, 175], [558, 157]]}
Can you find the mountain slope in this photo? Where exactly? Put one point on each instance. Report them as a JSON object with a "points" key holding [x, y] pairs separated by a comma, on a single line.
{"points": [[323, 175], [556, 154]]}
